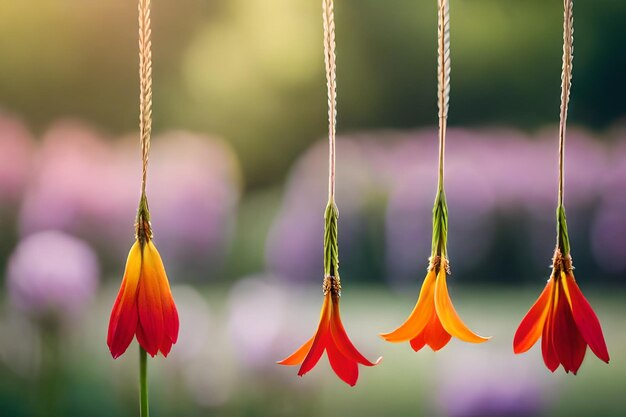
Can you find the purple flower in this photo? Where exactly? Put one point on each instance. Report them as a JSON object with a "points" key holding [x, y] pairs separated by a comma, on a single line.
{"points": [[482, 386], [15, 159], [52, 273]]}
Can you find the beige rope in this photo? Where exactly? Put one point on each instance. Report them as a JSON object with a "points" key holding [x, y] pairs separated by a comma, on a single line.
{"points": [[145, 97], [566, 84], [331, 82], [443, 78]]}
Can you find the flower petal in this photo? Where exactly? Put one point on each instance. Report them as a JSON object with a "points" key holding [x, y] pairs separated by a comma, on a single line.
{"points": [[585, 318], [124, 316], [341, 339], [532, 324], [418, 341], [550, 357], [420, 316], [149, 305], [435, 335], [448, 316], [345, 367], [170, 314], [568, 343], [298, 356], [321, 339]]}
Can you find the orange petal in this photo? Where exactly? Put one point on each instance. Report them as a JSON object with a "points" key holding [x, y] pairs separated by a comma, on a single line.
{"points": [[170, 314], [149, 305], [585, 318], [548, 352], [435, 335], [298, 356], [321, 339], [448, 316], [345, 367], [420, 316], [532, 324], [123, 321], [569, 345], [341, 339]]}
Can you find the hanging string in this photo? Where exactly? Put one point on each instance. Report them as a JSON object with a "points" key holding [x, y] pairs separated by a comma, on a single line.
{"points": [[443, 78], [145, 97], [329, 60], [566, 83]]}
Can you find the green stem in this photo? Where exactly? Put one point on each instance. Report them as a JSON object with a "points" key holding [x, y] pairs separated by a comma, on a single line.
{"points": [[143, 383], [331, 244], [562, 237], [440, 224]]}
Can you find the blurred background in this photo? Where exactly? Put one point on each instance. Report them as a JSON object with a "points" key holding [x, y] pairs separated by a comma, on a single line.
{"points": [[237, 188]]}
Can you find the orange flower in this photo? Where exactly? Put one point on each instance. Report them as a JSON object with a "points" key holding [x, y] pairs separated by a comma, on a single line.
{"points": [[144, 306], [434, 320], [564, 320], [331, 336]]}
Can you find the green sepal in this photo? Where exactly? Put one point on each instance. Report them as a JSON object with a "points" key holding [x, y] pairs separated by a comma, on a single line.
{"points": [[331, 245], [562, 237], [440, 225], [143, 229]]}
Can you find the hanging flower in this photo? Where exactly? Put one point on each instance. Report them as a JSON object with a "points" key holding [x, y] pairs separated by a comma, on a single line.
{"points": [[144, 306], [564, 320], [331, 337], [434, 319], [562, 316]]}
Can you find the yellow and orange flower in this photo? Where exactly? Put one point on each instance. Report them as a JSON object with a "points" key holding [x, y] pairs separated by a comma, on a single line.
{"points": [[434, 320], [144, 306], [564, 320], [331, 337]]}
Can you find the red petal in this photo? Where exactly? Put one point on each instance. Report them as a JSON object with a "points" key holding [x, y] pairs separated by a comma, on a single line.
{"points": [[585, 318], [532, 324], [569, 345], [317, 348], [150, 306], [170, 314], [342, 340], [547, 347], [124, 316], [141, 338], [346, 368], [418, 341], [166, 346], [435, 335], [321, 339]]}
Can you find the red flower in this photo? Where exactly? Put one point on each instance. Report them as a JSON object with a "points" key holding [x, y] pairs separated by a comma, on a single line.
{"points": [[331, 337], [434, 319], [144, 306], [564, 320]]}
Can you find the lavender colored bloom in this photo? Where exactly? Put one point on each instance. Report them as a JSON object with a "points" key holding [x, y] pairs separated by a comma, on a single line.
{"points": [[66, 181], [52, 273], [294, 247], [194, 190], [257, 300], [90, 188], [15, 159], [409, 215], [483, 386], [609, 224]]}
